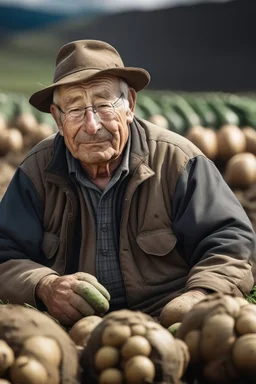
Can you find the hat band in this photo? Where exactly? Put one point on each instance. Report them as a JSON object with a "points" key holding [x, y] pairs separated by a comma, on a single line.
{"points": [[62, 76]]}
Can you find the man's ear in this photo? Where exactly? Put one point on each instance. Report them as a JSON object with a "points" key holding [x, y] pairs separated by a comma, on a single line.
{"points": [[132, 103], [56, 115]]}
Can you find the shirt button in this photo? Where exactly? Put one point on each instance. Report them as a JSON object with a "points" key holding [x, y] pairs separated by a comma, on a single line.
{"points": [[105, 252], [104, 227]]}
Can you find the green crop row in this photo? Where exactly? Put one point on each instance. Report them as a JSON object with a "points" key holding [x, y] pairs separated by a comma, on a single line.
{"points": [[181, 110]]}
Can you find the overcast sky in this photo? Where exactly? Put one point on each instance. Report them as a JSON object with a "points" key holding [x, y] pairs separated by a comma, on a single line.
{"points": [[113, 5]]}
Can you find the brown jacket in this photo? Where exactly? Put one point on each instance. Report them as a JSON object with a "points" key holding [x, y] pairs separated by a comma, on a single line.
{"points": [[153, 266]]}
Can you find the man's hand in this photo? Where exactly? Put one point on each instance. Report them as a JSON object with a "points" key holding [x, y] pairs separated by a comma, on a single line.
{"points": [[71, 297], [175, 310]]}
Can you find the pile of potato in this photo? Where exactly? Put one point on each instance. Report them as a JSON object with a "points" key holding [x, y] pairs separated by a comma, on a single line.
{"points": [[220, 333], [232, 149], [34, 349], [17, 136], [130, 347]]}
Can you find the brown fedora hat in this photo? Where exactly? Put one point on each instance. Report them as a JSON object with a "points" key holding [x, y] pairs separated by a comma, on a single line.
{"points": [[83, 59]]}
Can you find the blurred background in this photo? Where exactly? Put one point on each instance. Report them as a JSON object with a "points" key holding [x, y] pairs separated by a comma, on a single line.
{"points": [[201, 56]]}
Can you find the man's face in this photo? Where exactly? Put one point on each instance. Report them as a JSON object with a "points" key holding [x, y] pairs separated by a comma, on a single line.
{"points": [[94, 140]]}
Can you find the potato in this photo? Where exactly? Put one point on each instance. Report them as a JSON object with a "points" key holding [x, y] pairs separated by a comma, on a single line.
{"points": [[116, 330], [111, 376], [138, 369], [27, 370], [15, 140], [246, 323], [205, 139], [231, 141], [116, 335], [81, 330], [3, 124], [26, 123], [6, 357], [106, 357], [217, 336], [183, 351], [250, 137], [195, 317], [138, 329], [135, 345], [43, 348], [241, 301], [248, 309], [4, 143], [244, 354], [192, 340], [23, 323], [240, 171], [41, 132]]}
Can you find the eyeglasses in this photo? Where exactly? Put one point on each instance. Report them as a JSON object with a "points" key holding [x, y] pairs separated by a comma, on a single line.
{"points": [[103, 111]]}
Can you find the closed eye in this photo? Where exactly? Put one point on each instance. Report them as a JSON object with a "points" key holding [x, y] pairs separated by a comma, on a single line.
{"points": [[75, 110], [106, 105]]}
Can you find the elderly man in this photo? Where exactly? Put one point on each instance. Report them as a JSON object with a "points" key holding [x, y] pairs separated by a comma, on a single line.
{"points": [[114, 206]]}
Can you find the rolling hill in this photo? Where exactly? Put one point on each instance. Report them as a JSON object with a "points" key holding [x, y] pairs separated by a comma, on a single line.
{"points": [[203, 47]]}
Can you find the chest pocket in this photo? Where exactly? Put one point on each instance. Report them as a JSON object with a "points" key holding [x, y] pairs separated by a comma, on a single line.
{"points": [[157, 259], [157, 242]]}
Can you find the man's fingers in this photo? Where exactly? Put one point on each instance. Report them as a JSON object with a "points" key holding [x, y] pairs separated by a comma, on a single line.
{"points": [[93, 280], [81, 305], [91, 295], [69, 318], [85, 276]]}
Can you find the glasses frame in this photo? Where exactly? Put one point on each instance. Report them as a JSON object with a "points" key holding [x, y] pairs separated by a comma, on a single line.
{"points": [[94, 110]]}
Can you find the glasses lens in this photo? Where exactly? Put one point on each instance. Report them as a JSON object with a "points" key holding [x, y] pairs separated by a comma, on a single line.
{"points": [[105, 111], [76, 114]]}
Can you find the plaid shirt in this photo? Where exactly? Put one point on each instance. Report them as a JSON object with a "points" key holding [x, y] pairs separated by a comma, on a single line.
{"points": [[107, 208]]}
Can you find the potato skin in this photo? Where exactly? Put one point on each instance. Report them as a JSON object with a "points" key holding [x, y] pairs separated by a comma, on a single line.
{"points": [[244, 354], [6, 357], [82, 329], [25, 322]]}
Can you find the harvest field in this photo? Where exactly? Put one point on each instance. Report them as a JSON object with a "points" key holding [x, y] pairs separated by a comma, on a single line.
{"points": [[215, 342]]}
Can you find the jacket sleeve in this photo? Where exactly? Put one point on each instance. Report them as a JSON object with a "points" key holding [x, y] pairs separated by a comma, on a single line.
{"points": [[213, 231], [22, 263]]}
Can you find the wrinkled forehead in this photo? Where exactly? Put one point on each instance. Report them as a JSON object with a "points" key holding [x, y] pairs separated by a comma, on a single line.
{"points": [[101, 86]]}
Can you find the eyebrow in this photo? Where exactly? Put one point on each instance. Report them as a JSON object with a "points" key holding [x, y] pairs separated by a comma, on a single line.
{"points": [[72, 99], [105, 94]]}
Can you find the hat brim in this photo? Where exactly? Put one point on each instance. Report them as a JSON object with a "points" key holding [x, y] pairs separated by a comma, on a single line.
{"points": [[137, 78]]}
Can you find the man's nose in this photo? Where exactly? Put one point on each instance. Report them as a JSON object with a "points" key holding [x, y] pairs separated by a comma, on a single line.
{"points": [[90, 122]]}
